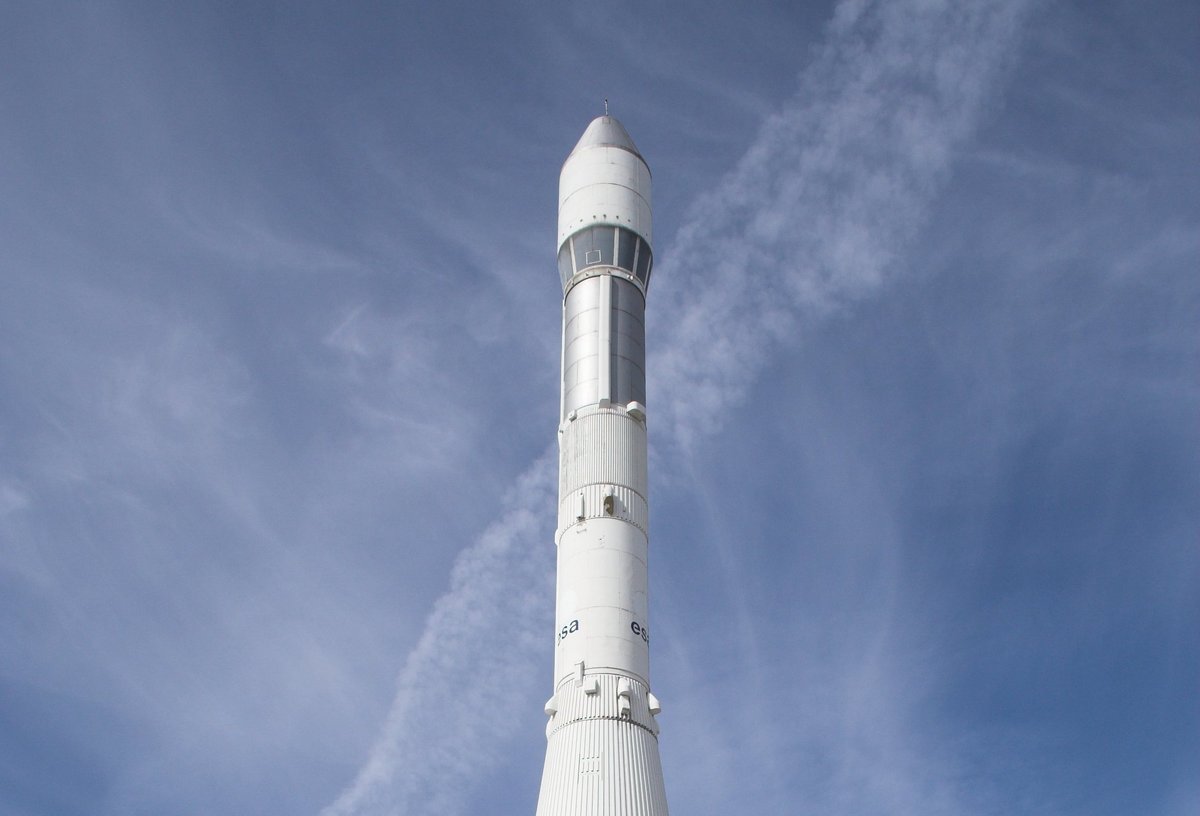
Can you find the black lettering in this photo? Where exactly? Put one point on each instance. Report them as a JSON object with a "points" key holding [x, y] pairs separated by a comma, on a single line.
{"points": [[573, 626]]}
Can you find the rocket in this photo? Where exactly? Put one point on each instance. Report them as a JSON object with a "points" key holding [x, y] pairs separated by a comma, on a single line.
{"points": [[602, 733]]}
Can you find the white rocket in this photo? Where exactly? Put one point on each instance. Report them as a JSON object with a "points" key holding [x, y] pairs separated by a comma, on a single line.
{"points": [[602, 736]]}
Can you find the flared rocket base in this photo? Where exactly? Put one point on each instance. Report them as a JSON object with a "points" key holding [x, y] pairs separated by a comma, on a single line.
{"points": [[602, 751]]}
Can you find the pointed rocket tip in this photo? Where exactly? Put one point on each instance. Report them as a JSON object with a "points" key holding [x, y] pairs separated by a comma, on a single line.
{"points": [[606, 131]]}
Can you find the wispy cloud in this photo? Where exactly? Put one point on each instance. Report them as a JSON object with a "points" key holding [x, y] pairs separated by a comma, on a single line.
{"points": [[12, 498], [830, 193], [458, 692]]}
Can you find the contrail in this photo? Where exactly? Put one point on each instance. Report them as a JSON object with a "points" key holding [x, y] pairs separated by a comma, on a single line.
{"points": [[833, 188]]}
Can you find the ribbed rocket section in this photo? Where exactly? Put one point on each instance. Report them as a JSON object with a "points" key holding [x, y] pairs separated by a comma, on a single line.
{"points": [[599, 761], [602, 736], [602, 454]]}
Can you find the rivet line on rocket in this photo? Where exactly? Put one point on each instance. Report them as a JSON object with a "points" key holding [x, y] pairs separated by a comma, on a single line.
{"points": [[595, 717]]}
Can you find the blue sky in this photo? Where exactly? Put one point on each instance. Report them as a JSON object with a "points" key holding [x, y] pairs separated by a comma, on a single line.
{"points": [[278, 389]]}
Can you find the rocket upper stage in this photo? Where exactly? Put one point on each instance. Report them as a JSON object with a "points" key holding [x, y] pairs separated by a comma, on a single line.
{"points": [[605, 182], [604, 260]]}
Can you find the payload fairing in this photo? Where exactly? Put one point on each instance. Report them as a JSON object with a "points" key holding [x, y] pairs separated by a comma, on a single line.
{"points": [[602, 736]]}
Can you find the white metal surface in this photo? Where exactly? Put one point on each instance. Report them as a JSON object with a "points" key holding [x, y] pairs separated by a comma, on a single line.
{"points": [[604, 181], [602, 735]]}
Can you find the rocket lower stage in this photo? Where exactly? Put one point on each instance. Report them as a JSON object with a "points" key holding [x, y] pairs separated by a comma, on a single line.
{"points": [[602, 736], [602, 750]]}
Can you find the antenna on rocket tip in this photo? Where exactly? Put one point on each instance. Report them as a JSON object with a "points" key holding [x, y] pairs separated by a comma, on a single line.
{"points": [[606, 106]]}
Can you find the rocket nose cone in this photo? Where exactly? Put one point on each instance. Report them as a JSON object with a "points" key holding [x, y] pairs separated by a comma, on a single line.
{"points": [[606, 131]]}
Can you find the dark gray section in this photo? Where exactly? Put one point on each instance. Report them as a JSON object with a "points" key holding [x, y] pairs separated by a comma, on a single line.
{"points": [[629, 241], [565, 268], [593, 246], [643, 264], [627, 350]]}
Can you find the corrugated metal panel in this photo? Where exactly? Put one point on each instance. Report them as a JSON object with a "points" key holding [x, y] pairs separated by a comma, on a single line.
{"points": [[575, 705], [599, 763], [602, 447]]}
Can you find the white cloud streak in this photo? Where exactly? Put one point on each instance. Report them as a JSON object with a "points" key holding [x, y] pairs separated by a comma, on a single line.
{"points": [[458, 692], [832, 190], [12, 499]]}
